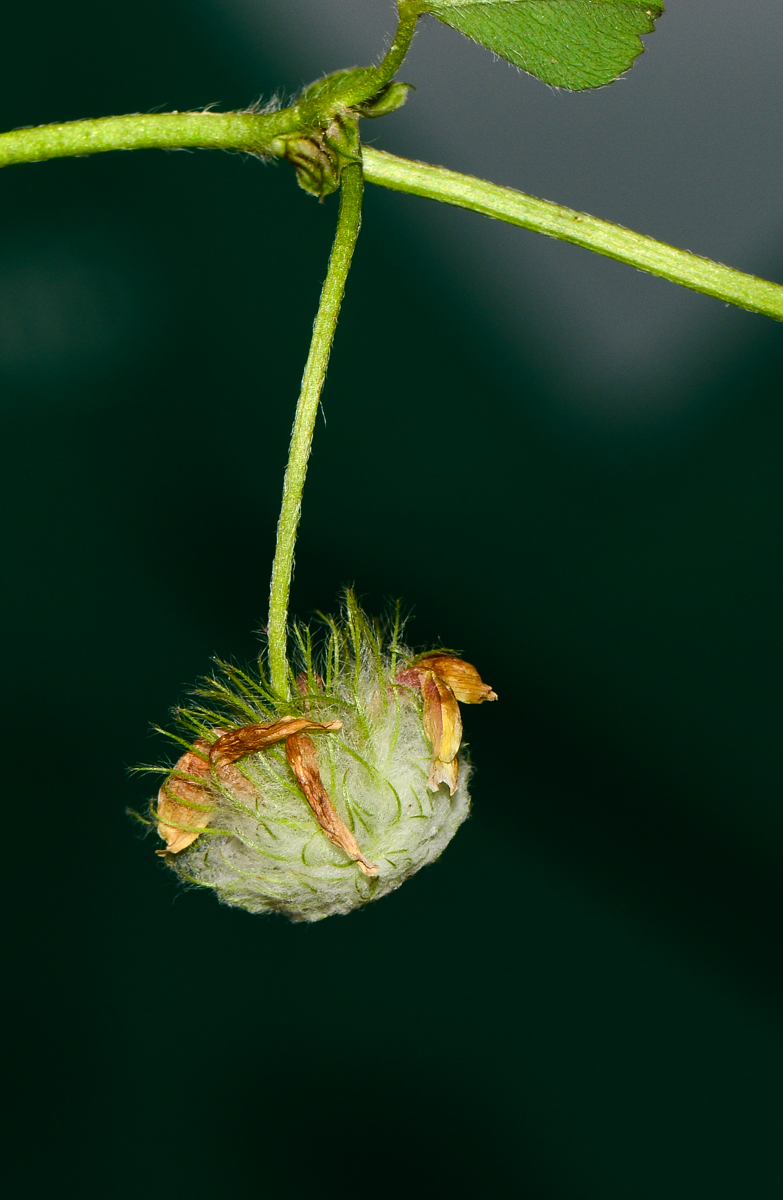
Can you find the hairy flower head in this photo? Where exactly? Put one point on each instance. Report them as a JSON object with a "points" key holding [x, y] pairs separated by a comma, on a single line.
{"points": [[332, 799]]}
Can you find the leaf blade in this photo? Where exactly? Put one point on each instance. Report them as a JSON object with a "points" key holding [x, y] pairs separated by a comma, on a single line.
{"points": [[574, 44]]}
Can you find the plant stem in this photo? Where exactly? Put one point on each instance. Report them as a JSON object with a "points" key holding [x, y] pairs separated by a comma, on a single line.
{"points": [[406, 27], [359, 85], [252, 132], [645, 253], [348, 225], [257, 133]]}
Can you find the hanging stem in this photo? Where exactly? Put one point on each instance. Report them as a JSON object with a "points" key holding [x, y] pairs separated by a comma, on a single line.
{"points": [[348, 224]]}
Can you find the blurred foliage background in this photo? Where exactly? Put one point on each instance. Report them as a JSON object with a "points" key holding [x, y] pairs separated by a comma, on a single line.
{"points": [[568, 471]]}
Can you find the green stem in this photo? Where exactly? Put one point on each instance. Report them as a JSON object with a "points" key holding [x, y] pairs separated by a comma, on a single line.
{"points": [[257, 133], [254, 133], [645, 253], [348, 224], [393, 59], [251, 132], [361, 85]]}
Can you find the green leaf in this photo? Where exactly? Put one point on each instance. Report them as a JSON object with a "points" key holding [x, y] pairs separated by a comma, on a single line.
{"points": [[572, 44]]}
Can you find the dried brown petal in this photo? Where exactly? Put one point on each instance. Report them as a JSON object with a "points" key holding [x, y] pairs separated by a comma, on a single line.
{"points": [[410, 677], [443, 726], [442, 720], [232, 779], [249, 739], [443, 772], [303, 685], [300, 751], [182, 802], [462, 677]]}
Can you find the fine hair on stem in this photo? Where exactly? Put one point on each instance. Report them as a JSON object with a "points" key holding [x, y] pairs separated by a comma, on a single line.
{"points": [[348, 225]]}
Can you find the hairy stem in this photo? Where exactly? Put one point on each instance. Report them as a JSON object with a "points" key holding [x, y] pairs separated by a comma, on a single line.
{"points": [[255, 133], [359, 85], [348, 224], [406, 28], [252, 132], [645, 253], [259, 133]]}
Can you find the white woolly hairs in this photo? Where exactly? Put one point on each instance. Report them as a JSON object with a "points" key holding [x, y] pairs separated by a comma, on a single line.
{"points": [[264, 850]]}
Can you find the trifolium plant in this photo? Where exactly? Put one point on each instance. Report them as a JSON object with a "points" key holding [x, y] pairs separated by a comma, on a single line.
{"points": [[335, 769]]}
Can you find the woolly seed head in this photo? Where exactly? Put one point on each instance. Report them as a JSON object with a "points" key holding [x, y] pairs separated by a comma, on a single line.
{"points": [[321, 805]]}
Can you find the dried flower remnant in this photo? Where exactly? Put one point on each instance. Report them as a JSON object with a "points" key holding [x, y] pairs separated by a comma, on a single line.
{"points": [[184, 807], [230, 747], [443, 726], [335, 801], [444, 679], [462, 677], [300, 752]]}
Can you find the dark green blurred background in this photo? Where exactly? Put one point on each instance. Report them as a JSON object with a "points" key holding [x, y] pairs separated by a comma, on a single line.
{"points": [[584, 998]]}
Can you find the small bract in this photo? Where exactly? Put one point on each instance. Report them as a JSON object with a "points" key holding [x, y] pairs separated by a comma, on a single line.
{"points": [[334, 799]]}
